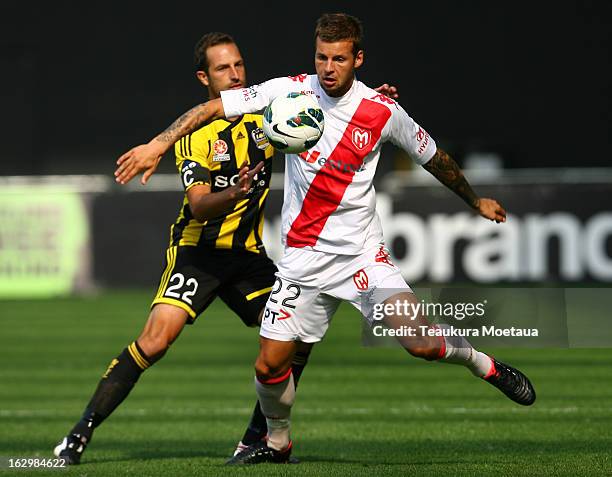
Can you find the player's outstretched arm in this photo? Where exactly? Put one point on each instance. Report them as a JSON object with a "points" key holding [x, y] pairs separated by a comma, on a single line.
{"points": [[146, 157], [446, 170]]}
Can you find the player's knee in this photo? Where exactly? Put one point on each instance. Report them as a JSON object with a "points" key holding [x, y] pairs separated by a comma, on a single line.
{"points": [[262, 370], [163, 327], [423, 348], [265, 370]]}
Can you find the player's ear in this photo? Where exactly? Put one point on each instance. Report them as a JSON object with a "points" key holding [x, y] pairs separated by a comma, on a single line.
{"points": [[202, 78], [358, 59]]}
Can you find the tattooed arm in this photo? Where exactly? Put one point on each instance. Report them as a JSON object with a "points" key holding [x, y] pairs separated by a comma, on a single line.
{"points": [[191, 120], [146, 157], [446, 170]]}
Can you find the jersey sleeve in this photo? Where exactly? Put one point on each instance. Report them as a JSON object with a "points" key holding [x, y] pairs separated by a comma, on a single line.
{"points": [[404, 132], [254, 98]]}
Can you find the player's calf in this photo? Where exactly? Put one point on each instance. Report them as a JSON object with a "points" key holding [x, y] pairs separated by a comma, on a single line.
{"points": [[120, 377], [162, 328], [422, 344], [423, 347], [275, 388], [258, 428], [447, 348]]}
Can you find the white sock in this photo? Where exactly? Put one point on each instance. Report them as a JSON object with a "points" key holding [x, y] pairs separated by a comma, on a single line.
{"points": [[276, 401], [460, 351]]}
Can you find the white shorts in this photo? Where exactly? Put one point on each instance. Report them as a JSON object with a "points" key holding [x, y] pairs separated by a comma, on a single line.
{"points": [[310, 285]]}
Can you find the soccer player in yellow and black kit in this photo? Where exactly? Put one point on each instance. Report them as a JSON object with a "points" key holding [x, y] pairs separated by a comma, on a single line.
{"points": [[215, 247]]}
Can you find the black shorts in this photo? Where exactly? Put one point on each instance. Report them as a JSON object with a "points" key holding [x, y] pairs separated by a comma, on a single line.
{"points": [[194, 277]]}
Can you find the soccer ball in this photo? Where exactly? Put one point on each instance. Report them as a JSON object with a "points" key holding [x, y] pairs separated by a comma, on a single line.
{"points": [[293, 123]]}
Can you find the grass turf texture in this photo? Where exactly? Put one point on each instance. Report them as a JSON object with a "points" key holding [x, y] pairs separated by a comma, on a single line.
{"points": [[359, 411]]}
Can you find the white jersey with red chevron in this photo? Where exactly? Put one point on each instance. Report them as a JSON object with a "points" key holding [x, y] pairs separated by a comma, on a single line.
{"points": [[329, 202]]}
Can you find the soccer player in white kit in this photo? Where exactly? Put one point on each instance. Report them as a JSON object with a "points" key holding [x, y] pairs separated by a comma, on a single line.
{"points": [[334, 246]]}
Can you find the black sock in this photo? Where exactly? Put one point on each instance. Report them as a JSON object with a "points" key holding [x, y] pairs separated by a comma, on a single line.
{"points": [[258, 428], [113, 388], [298, 364]]}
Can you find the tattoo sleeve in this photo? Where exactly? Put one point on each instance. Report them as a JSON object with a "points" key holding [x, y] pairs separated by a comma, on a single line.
{"points": [[187, 123], [446, 170]]}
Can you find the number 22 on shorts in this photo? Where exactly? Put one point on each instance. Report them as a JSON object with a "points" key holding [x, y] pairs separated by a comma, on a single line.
{"points": [[286, 294], [176, 283]]}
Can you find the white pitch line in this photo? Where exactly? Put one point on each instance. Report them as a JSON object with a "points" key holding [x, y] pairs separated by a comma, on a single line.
{"points": [[316, 411]]}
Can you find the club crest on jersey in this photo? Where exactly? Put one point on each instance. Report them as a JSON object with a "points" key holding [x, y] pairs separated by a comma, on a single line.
{"points": [[361, 280], [361, 137], [220, 151], [261, 141]]}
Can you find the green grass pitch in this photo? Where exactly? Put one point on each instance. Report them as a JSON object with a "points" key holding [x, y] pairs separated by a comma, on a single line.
{"points": [[359, 411]]}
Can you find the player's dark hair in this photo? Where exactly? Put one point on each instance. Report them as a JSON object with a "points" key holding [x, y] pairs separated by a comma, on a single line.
{"points": [[333, 27], [207, 41]]}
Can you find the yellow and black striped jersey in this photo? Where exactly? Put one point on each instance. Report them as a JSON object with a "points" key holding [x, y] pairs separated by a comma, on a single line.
{"points": [[213, 155]]}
